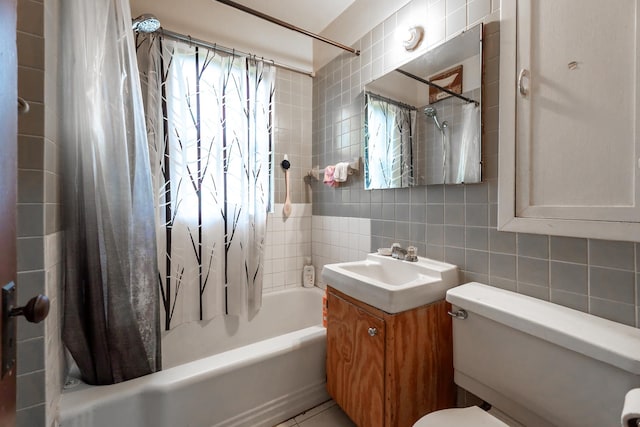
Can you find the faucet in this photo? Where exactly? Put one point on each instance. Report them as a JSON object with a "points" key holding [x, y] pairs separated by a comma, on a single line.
{"points": [[409, 254]]}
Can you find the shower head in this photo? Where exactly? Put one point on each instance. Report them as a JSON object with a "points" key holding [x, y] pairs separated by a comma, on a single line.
{"points": [[431, 112], [146, 23]]}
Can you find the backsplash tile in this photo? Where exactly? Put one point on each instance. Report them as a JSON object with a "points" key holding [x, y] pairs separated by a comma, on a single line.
{"points": [[569, 249]]}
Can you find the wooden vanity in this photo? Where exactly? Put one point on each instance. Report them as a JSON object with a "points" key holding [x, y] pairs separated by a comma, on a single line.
{"points": [[388, 369]]}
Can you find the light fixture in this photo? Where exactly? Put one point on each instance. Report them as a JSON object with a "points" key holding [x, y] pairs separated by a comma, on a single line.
{"points": [[412, 38]]}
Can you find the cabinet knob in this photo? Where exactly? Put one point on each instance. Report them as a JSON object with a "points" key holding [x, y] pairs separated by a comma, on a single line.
{"points": [[373, 332]]}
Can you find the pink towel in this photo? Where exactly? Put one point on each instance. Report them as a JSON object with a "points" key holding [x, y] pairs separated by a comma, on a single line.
{"points": [[328, 176]]}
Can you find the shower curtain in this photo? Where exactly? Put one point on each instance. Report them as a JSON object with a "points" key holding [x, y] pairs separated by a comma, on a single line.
{"points": [[388, 143], [209, 119], [469, 165], [111, 317]]}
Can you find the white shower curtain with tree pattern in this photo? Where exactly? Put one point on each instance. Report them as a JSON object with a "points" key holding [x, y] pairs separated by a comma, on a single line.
{"points": [[209, 121]]}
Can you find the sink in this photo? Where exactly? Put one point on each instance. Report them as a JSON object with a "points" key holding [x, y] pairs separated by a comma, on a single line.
{"points": [[392, 285]]}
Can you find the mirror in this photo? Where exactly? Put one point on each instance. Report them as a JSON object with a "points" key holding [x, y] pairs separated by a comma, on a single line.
{"points": [[423, 119]]}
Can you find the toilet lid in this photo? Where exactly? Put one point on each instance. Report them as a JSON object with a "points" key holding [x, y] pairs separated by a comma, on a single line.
{"points": [[471, 416]]}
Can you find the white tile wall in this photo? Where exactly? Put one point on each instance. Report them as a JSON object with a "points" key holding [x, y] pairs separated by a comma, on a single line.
{"points": [[288, 244], [339, 239]]}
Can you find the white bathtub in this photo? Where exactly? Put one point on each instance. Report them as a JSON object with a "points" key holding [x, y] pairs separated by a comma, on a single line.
{"points": [[262, 383]]}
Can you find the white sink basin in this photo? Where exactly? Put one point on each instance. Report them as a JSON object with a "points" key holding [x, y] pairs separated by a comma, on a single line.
{"points": [[390, 284]]}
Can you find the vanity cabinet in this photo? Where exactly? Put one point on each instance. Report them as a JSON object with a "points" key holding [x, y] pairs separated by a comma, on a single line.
{"points": [[569, 151], [388, 369]]}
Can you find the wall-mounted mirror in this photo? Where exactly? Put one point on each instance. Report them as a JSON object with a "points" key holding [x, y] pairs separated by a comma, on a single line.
{"points": [[423, 119]]}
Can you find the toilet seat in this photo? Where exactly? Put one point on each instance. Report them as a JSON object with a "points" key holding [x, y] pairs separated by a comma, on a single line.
{"points": [[471, 416]]}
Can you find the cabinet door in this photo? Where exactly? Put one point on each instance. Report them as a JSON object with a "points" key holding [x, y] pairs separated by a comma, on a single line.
{"points": [[355, 361], [569, 140]]}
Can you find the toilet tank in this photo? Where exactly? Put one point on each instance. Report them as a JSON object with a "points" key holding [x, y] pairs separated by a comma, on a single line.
{"points": [[541, 363]]}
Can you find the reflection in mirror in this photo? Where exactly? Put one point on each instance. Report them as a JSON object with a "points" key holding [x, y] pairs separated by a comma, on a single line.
{"points": [[389, 142], [423, 120]]}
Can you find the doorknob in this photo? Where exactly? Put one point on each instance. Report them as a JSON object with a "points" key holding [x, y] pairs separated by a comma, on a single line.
{"points": [[35, 311]]}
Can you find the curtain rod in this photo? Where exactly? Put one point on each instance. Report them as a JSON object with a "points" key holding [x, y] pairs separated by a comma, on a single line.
{"points": [[391, 101], [287, 25], [214, 46], [444, 89]]}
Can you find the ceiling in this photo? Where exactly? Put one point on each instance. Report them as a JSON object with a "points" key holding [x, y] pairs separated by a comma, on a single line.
{"points": [[310, 15], [218, 23]]}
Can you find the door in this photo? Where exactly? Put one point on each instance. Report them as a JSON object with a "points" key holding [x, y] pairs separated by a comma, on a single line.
{"points": [[355, 361], [8, 182]]}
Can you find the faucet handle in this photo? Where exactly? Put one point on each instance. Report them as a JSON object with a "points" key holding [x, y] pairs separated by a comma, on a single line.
{"points": [[412, 254]]}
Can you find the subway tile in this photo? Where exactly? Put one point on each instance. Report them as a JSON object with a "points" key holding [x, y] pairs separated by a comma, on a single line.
{"points": [[500, 241], [610, 254], [614, 285], [569, 249], [612, 310], [533, 245], [533, 271], [568, 277]]}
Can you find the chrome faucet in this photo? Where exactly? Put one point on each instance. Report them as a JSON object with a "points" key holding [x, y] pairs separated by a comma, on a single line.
{"points": [[398, 252], [409, 254]]}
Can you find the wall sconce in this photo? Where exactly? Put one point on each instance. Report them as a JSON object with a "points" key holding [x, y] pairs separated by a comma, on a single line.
{"points": [[412, 37]]}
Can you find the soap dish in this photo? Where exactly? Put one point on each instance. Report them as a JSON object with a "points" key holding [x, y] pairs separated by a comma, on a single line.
{"points": [[384, 251]]}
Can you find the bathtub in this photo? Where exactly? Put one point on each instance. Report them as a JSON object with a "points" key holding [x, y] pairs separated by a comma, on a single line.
{"points": [[254, 381]]}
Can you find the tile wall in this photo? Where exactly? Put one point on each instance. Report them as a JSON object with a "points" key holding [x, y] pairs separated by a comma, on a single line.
{"points": [[40, 359], [288, 245], [458, 223], [339, 239], [292, 134]]}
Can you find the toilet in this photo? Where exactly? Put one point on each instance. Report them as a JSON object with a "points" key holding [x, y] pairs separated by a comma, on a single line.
{"points": [[536, 363]]}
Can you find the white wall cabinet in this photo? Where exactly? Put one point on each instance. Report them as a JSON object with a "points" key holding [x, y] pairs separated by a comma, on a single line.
{"points": [[569, 118]]}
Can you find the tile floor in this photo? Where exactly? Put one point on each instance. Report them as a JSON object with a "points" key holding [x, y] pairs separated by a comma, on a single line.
{"points": [[327, 414]]}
